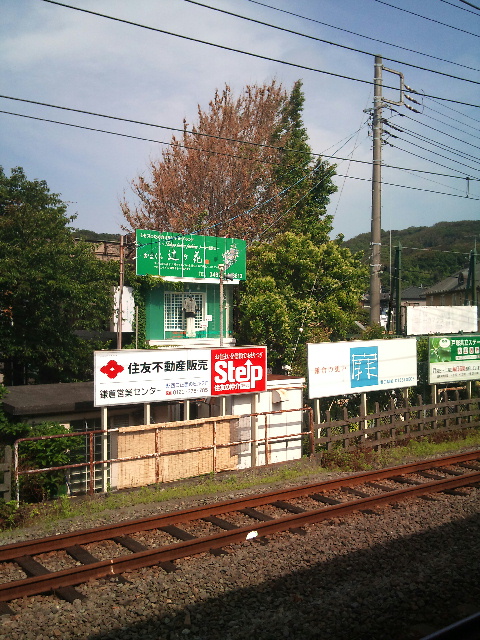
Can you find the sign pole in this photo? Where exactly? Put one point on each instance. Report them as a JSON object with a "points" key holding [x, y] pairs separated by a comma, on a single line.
{"points": [[221, 269]]}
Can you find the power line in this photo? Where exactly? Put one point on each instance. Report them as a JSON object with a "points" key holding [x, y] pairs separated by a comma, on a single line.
{"points": [[440, 183], [428, 159], [470, 4], [440, 145], [230, 155], [404, 186], [446, 106], [335, 44], [451, 125], [427, 18], [449, 118], [462, 8], [434, 153], [440, 131], [359, 35], [247, 53]]}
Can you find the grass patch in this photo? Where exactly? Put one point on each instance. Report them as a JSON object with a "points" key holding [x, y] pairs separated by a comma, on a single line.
{"points": [[48, 513], [425, 447]]}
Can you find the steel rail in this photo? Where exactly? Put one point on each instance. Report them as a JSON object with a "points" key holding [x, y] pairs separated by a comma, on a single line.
{"points": [[57, 542], [122, 564]]}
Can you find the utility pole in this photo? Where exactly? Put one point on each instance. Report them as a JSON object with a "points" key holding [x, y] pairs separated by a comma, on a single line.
{"points": [[376, 228]]}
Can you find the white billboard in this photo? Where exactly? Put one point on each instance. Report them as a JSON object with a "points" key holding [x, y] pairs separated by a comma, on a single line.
{"points": [[131, 376], [425, 320], [339, 368]]}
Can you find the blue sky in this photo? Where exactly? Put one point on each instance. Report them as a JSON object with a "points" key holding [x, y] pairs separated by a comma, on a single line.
{"points": [[56, 55]]}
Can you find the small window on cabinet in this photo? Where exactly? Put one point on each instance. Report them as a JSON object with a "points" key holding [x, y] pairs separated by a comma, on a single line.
{"points": [[174, 315]]}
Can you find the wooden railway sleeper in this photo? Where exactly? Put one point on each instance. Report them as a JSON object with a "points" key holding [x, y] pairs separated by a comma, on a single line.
{"points": [[136, 547], [33, 568], [83, 556], [404, 480], [181, 534], [263, 517]]}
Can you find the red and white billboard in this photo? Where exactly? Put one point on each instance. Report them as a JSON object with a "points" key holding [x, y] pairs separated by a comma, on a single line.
{"points": [[239, 370], [133, 376]]}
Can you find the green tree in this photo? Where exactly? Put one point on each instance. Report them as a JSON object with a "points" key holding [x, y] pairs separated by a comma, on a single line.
{"points": [[50, 287], [306, 184], [298, 291]]}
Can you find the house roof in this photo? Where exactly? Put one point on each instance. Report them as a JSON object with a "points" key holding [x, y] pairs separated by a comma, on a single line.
{"points": [[414, 293], [452, 284], [38, 399]]}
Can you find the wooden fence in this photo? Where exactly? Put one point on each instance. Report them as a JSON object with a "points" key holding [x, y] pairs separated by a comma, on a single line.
{"points": [[397, 423], [6, 470]]}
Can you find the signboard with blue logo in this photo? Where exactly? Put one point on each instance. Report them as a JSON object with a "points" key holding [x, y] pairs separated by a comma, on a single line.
{"points": [[341, 368]]}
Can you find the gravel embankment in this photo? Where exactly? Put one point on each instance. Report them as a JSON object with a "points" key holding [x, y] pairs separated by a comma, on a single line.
{"points": [[397, 574]]}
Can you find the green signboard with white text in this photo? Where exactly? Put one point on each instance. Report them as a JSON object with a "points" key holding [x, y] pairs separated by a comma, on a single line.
{"points": [[168, 254], [454, 357]]}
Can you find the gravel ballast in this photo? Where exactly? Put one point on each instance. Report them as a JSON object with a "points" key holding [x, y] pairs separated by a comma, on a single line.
{"points": [[396, 574]]}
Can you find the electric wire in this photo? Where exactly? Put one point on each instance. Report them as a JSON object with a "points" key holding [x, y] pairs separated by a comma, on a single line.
{"points": [[441, 184], [355, 146], [440, 145], [359, 35], [247, 53], [436, 154], [404, 186], [334, 44], [426, 115], [461, 8], [232, 155], [435, 143], [470, 4], [440, 131], [446, 106], [128, 120], [395, 146], [476, 35]]}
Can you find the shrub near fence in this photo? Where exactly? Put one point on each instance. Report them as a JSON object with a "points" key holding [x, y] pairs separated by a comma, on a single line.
{"points": [[400, 422]]}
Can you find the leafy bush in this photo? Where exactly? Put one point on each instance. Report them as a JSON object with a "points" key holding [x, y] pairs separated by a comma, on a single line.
{"points": [[12, 515], [40, 454]]}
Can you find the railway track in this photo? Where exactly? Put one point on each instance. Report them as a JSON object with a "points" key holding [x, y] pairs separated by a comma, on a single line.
{"points": [[229, 522]]}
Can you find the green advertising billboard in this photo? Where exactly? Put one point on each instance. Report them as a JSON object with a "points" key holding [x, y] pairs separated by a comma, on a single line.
{"points": [[454, 357], [168, 254]]}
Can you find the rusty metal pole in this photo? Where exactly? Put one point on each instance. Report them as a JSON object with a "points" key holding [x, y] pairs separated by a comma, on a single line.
{"points": [[267, 455], [214, 436], [15, 474], [120, 296], [91, 487]]}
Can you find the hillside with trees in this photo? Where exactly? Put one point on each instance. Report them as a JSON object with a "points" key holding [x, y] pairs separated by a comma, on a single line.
{"points": [[429, 254], [93, 236]]}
